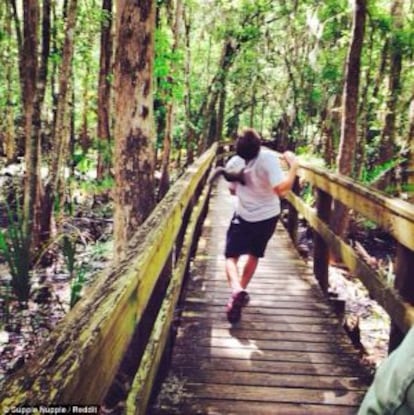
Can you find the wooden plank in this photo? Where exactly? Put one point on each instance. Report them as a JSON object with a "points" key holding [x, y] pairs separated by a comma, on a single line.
{"points": [[180, 365], [263, 346], [282, 380], [204, 332], [264, 325], [232, 407], [253, 354], [266, 307], [273, 394], [251, 317]]}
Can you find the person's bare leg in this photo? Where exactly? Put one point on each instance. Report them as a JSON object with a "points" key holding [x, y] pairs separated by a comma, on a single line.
{"points": [[248, 270], [232, 273], [237, 298]]}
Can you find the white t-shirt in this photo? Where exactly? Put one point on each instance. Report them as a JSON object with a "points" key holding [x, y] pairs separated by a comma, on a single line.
{"points": [[256, 199]]}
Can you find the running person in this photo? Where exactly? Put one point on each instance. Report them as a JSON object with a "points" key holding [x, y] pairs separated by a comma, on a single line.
{"points": [[256, 213]]}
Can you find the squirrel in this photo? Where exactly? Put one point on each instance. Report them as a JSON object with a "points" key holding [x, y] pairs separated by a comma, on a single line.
{"points": [[229, 175]]}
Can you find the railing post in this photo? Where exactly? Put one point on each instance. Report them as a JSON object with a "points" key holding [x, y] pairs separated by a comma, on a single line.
{"points": [[292, 221], [404, 284], [220, 154], [320, 248]]}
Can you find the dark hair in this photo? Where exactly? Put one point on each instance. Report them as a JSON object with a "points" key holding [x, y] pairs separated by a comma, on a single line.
{"points": [[248, 144]]}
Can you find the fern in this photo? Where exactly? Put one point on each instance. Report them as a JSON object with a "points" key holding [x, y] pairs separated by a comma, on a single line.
{"points": [[15, 247]]}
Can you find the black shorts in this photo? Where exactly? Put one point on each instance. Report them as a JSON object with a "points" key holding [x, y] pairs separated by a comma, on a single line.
{"points": [[249, 237]]}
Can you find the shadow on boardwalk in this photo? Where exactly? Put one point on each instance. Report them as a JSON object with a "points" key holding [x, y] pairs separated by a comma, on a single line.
{"points": [[288, 355]]}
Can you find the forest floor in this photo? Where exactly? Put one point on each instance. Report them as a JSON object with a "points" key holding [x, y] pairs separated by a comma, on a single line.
{"points": [[24, 329]]}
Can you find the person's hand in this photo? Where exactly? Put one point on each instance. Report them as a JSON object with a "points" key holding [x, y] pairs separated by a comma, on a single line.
{"points": [[291, 159]]}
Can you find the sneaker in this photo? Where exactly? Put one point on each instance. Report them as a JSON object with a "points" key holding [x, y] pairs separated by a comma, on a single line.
{"points": [[245, 298], [234, 306]]}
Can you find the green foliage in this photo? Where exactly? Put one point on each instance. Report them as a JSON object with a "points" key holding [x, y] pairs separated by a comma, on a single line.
{"points": [[169, 80], [83, 162], [162, 54], [76, 287], [380, 18], [369, 225], [371, 175], [97, 187], [69, 251], [76, 272], [15, 247], [308, 195]]}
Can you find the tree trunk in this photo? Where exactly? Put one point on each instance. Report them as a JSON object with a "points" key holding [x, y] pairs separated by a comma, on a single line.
{"points": [[386, 150], [330, 128], [165, 177], [37, 237], [54, 189], [30, 68], [134, 119], [208, 113], [189, 128], [408, 172], [363, 109], [104, 91], [61, 130], [345, 160], [220, 114], [252, 106], [9, 144], [19, 38]]}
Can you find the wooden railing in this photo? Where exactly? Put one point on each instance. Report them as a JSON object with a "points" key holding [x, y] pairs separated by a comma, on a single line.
{"points": [[394, 216], [126, 316], [129, 307]]}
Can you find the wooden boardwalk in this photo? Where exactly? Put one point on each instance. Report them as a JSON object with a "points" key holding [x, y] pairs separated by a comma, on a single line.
{"points": [[288, 355]]}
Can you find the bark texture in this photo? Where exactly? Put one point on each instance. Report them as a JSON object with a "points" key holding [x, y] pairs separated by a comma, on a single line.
{"points": [[104, 89], [348, 141], [134, 119]]}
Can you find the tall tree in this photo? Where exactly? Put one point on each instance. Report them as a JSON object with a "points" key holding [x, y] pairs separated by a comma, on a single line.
{"points": [[345, 162], [34, 185], [104, 89], [9, 130], [29, 82], [134, 118], [54, 188], [410, 153], [208, 113], [386, 150], [189, 127], [165, 179]]}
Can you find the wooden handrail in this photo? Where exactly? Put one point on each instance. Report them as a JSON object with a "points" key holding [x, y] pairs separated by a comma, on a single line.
{"points": [[392, 215], [82, 356]]}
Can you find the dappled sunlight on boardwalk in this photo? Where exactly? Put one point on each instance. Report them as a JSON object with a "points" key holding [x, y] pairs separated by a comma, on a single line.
{"points": [[287, 355]]}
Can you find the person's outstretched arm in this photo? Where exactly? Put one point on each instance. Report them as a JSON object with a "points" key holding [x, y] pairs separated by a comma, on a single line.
{"points": [[282, 188]]}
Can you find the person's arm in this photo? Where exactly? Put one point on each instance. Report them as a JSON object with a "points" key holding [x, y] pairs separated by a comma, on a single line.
{"points": [[283, 187]]}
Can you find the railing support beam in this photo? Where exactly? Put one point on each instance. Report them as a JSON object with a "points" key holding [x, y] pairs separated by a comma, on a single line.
{"points": [[321, 249], [404, 284], [292, 222]]}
